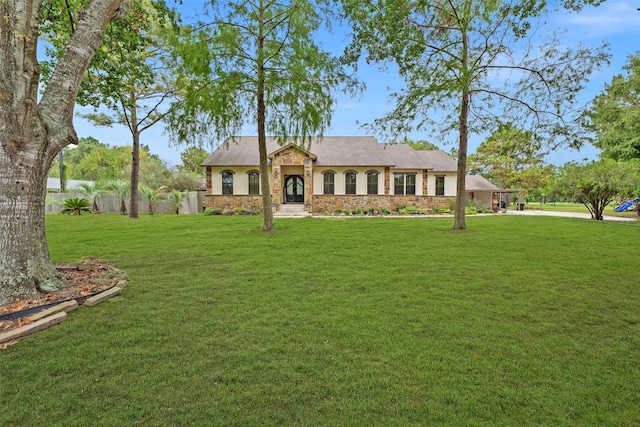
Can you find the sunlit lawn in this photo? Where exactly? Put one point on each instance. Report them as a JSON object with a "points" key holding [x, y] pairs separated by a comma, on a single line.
{"points": [[577, 207], [353, 322]]}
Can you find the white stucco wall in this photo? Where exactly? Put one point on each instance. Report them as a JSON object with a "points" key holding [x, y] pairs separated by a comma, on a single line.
{"points": [[240, 179], [361, 179], [449, 183]]}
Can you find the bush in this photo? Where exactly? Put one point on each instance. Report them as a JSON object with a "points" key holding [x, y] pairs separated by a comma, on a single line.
{"points": [[356, 211], [410, 210], [337, 211], [75, 206], [372, 211], [386, 211], [227, 212], [241, 211], [211, 211]]}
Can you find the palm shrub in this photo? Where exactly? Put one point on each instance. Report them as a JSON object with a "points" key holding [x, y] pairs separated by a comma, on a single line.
{"points": [[75, 206], [93, 192], [176, 197], [121, 189], [152, 196]]}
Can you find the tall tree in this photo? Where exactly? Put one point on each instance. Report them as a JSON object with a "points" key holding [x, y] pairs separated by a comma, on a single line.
{"points": [[511, 158], [33, 130], [139, 84], [256, 62], [473, 62], [615, 114], [192, 159]]}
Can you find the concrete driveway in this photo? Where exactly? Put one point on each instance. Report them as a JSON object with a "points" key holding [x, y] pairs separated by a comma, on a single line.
{"points": [[566, 215]]}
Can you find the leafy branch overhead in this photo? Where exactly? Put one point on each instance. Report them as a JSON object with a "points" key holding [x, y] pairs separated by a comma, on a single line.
{"points": [[468, 65], [256, 63]]}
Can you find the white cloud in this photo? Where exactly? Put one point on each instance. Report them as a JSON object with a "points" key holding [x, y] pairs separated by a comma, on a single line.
{"points": [[612, 17]]}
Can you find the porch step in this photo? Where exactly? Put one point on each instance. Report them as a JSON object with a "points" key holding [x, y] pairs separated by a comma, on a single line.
{"points": [[291, 210]]}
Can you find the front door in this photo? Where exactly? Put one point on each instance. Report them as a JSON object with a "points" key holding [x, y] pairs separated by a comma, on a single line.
{"points": [[294, 185]]}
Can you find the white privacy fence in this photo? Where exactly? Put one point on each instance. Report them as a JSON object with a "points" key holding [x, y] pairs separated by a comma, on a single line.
{"points": [[192, 203]]}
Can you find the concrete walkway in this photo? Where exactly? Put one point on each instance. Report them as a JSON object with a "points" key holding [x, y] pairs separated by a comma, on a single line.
{"points": [[583, 215]]}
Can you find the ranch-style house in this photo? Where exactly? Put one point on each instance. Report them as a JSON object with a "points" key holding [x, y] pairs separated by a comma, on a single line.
{"points": [[335, 173]]}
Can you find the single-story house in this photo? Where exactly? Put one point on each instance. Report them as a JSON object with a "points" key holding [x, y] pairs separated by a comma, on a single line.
{"points": [[335, 173]]}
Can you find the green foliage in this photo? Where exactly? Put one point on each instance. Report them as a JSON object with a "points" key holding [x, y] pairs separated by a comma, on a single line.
{"points": [[93, 192], [596, 184], [615, 114], [250, 53], [75, 206], [185, 180], [212, 211], [152, 196], [192, 157], [121, 189], [410, 210], [511, 158], [420, 144], [449, 54], [176, 197]]}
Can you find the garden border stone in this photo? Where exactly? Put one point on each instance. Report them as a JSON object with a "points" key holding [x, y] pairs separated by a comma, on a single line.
{"points": [[32, 328]]}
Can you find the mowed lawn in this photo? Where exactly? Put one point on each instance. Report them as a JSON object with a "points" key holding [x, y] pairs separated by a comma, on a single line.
{"points": [[340, 322]]}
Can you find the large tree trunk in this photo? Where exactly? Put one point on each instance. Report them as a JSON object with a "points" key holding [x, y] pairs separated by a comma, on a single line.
{"points": [[25, 268], [32, 133]]}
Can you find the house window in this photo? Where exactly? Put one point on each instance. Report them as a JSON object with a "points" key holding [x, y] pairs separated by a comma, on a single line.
{"points": [[404, 183], [350, 182], [328, 181], [372, 182], [227, 182], [440, 185], [254, 182]]}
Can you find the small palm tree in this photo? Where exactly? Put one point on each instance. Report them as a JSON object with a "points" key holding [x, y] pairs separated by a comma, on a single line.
{"points": [[176, 197], [121, 189], [93, 192], [76, 206], [152, 195]]}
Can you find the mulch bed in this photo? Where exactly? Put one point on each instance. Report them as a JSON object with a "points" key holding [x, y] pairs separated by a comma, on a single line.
{"points": [[89, 277]]}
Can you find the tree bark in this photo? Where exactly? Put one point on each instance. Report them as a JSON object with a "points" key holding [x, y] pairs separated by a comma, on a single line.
{"points": [[459, 222], [267, 213], [135, 173], [31, 135]]}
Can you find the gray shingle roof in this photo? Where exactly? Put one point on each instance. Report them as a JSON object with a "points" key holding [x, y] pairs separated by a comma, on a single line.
{"points": [[336, 151], [478, 183], [438, 160], [405, 157]]}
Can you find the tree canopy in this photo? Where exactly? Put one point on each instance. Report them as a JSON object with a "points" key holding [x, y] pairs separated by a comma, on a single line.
{"points": [[257, 63], [615, 114], [468, 64], [597, 184], [511, 158]]}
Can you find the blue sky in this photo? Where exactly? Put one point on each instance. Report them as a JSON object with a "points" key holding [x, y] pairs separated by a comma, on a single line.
{"points": [[616, 22]]}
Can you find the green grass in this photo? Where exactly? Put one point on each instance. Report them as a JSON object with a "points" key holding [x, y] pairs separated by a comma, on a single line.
{"points": [[385, 321], [578, 207]]}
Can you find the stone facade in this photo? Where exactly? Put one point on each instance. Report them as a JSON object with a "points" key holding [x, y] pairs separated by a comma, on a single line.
{"points": [[232, 201], [291, 156], [329, 203]]}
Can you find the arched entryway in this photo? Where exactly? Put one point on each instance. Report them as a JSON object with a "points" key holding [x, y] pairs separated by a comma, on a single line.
{"points": [[294, 189]]}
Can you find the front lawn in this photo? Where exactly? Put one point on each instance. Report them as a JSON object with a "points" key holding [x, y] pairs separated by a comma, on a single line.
{"points": [[355, 321]]}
